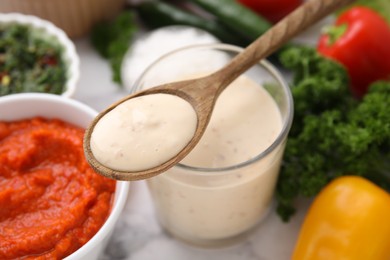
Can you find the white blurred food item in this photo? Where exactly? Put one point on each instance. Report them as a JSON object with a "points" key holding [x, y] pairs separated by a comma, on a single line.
{"points": [[151, 46]]}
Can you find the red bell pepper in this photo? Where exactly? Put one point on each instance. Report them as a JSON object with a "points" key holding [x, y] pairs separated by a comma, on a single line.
{"points": [[272, 10], [360, 40]]}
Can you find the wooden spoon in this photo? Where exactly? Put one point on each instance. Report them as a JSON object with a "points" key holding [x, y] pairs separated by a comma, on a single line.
{"points": [[202, 93]]}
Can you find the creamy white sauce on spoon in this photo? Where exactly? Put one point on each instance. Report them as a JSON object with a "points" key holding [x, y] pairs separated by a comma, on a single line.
{"points": [[143, 132]]}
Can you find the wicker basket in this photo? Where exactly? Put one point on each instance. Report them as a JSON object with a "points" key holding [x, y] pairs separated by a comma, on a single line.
{"points": [[75, 17]]}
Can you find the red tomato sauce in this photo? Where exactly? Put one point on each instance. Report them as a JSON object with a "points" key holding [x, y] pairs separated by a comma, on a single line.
{"points": [[51, 201]]}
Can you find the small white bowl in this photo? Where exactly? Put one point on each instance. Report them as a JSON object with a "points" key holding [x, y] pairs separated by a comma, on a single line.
{"points": [[27, 105], [69, 55]]}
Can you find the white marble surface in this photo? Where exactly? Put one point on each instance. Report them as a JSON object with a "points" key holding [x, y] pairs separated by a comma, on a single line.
{"points": [[137, 235]]}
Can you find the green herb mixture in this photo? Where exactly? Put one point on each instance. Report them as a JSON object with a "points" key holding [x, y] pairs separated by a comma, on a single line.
{"points": [[28, 62]]}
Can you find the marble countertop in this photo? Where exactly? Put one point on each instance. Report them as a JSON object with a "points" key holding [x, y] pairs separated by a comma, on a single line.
{"points": [[137, 235]]}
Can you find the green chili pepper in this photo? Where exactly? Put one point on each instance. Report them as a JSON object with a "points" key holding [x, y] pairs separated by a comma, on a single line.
{"points": [[237, 17], [158, 14]]}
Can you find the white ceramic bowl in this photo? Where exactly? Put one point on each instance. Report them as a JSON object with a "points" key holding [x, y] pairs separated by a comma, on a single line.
{"points": [[69, 53], [27, 105]]}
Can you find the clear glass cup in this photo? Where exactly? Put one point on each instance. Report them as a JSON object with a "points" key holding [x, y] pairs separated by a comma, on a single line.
{"points": [[215, 205]]}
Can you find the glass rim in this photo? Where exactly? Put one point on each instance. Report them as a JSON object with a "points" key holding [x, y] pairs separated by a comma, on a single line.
{"points": [[268, 66]]}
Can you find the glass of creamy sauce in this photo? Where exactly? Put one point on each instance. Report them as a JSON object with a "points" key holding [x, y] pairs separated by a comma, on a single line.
{"points": [[225, 186]]}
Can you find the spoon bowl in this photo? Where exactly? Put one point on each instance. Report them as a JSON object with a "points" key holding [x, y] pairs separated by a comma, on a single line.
{"points": [[202, 93], [184, 89]]}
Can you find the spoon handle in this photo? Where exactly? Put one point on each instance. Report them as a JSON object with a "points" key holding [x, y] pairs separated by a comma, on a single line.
{"points": [[304, 16]]}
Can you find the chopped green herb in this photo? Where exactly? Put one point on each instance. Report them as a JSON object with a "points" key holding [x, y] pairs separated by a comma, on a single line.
{"points": [[29, 62]]}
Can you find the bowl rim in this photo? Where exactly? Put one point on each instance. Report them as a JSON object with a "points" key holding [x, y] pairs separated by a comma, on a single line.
{"points": [[69, 54], [121, 189]]}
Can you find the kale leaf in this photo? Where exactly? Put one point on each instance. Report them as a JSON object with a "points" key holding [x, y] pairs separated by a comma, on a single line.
{"points": [[333, 134]]}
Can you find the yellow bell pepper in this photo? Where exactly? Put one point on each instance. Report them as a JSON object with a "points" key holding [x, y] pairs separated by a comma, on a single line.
{"points": [[348, 220]]}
